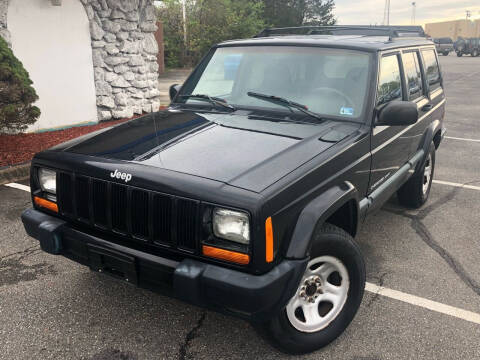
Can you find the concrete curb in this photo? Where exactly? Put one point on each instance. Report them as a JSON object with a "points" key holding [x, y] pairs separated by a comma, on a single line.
{"points": [[14, 173]]}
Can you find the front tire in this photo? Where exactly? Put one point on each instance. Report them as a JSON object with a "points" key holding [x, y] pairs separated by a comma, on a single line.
{"points": [[459, 54], [445, 53], [414, 193], [327, 297]]}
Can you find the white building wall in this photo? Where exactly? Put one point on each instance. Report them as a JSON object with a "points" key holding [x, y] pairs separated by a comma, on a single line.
{"points": [[54, 45]]}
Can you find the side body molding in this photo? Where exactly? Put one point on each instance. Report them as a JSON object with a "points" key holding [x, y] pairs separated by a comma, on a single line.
{"points": [[378, 197], [317, 212]]}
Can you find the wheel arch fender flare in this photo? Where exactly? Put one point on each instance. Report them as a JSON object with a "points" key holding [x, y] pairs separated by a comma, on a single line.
{"points": [[427, 139], [315, 213]]}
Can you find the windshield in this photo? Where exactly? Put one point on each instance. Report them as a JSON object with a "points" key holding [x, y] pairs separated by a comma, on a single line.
{"points": [[330, 82]]}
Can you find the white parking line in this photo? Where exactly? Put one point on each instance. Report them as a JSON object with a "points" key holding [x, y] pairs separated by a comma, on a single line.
{"points": [[19, 186], [464, 186], [462, 139], [425, 303]]}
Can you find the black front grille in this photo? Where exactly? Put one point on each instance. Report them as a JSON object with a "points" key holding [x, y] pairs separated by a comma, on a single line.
{"points": [[186, 223], [82, 197], [162, 214], [99, 202], [118, 201], [64, 192], [142, 215]]}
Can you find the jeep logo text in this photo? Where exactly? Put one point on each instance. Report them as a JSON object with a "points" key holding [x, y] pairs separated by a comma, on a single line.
{"points": [[121, 175]]}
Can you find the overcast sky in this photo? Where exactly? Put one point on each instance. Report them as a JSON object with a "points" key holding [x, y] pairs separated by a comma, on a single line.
{"points": [[366, 12]]}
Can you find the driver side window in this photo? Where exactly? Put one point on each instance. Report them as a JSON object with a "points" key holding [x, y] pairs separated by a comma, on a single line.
{"points": [[389, 81]]}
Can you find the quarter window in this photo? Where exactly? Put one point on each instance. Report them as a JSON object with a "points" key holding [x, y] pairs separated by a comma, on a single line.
{"points": [[414, 75], [431, 69], [390, 83]]}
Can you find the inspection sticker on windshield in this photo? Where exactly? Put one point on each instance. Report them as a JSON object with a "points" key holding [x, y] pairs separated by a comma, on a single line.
{"points": [[346, 111]]}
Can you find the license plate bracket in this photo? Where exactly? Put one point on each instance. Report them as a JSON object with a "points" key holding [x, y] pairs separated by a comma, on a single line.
{"points": [[113, 263]]}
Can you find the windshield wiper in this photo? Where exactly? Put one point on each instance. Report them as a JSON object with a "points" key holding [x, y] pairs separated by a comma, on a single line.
{"points": [[285, 102], [212, 100]]}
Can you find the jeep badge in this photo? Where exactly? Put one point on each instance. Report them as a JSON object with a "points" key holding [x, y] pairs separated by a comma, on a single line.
{"points": [[121, 175]]}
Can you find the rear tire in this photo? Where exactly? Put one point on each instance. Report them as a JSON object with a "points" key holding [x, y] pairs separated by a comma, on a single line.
{"points": [[459, 54], [475, 53], [445, 53], [330, 291], [414, 193]]}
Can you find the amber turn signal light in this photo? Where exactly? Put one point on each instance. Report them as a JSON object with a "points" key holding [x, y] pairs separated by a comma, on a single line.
{"points": [[268, 240], [227, 255], [47, 204]]}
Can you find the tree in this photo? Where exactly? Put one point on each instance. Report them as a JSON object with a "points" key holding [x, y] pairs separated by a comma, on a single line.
{"points": [[285, 13], [170, 14], [16, 93], [208, 22], [319, 12], [213, 21]]}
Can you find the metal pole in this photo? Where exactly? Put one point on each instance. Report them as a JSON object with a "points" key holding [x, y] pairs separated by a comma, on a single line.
{"points": [[184, 14], [414, 5], [388, 12]]}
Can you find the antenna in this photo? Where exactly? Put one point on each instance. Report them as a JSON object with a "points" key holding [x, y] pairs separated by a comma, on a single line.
{"points": [[386, 13], [414, 7]]}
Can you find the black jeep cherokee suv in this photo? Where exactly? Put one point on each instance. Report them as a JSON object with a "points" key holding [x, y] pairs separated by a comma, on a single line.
{"points": [[245, 195]]}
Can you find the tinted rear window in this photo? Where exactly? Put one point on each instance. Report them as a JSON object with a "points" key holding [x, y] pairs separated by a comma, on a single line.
{"points": [[413, 72], [432, 70]]}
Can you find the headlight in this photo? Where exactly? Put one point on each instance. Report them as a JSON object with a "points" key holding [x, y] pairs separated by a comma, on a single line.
{"points": [[48, 180], [231, 225]]}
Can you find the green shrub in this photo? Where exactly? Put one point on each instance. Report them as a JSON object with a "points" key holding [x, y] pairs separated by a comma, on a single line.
{"points": [[16, 93]]}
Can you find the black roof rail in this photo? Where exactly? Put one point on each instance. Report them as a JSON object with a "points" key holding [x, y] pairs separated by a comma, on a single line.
{"points": [[390, 31]]}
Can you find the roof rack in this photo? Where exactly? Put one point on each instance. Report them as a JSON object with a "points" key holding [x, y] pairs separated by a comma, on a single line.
{"points": [[390, 31]]}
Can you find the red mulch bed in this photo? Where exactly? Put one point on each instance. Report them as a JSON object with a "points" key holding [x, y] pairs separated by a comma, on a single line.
{"points": [[20, 148]]}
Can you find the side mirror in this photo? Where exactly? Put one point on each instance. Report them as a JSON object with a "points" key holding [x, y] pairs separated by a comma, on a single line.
{"points": [[397, 113], [173, 91]]}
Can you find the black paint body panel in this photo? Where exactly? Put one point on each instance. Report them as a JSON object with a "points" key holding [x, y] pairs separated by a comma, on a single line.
{"points": [[296, 170]]}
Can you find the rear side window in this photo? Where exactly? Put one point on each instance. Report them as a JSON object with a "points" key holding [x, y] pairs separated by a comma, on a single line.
{"points": [[389, 83], [411, 64], [431, 69]]}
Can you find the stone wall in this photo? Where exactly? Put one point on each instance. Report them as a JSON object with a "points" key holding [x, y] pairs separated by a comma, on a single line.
{"points": [[124, 51]]}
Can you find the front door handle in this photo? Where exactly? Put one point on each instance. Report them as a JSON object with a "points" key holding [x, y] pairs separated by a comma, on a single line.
{"points": [[427, 107]]}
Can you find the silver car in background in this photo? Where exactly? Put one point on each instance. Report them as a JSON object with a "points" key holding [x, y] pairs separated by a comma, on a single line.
{"points": [[444, 45]]}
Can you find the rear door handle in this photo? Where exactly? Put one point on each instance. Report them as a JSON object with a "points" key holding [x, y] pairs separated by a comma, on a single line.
{"points": [[427, 107]]}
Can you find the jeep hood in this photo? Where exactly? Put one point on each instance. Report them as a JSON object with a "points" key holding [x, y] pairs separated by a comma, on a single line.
{"points": [[240, 149]]}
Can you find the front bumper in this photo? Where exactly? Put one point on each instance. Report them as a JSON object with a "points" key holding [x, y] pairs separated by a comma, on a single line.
{"points": [[254, 297]]}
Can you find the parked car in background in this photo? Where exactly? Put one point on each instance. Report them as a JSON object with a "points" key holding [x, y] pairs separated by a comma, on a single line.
{"points": [[469, 46], [443, 45]]}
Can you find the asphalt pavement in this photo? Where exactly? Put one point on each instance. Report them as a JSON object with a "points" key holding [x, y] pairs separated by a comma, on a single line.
{"points": [[51, 308]]}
